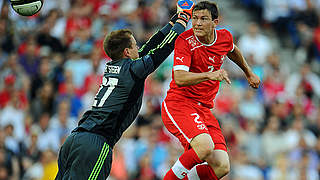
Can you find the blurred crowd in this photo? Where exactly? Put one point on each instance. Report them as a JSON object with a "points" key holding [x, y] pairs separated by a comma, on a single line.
{"points": [[51, 65]]}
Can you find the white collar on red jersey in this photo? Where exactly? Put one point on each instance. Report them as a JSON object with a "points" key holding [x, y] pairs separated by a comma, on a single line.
{"points": [[215, 39]]}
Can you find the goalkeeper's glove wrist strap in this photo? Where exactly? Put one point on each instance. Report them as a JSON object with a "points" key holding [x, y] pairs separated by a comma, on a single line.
{"points": [[184, 16]]}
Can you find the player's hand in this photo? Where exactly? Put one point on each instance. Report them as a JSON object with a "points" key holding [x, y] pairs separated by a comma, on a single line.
{"points": [[253, 80], [184, 9], [219, 75]]}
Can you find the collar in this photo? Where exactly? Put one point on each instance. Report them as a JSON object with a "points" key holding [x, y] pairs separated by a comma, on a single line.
{"points": [[215, 38]]}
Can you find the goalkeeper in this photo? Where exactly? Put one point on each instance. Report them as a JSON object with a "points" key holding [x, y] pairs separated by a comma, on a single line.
{"points": [[87, 152]]}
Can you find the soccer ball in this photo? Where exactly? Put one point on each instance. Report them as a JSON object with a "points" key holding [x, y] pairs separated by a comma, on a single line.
{"points": [[26, 7]]}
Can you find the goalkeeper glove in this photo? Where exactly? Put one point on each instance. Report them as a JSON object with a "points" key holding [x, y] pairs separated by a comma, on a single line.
{"points": [[184, 9], [185, 6], [184, 17], [174, 18]]}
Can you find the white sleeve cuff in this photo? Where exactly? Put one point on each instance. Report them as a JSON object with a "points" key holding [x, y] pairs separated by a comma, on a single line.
{"points": [[232, 47], [181, 67]]}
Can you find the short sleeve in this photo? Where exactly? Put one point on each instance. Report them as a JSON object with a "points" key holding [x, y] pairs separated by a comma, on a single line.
{"points": [[230, 41], [182, 55]]}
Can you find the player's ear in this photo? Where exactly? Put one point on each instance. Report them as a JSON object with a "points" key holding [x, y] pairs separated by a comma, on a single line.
{"points": [[216, 21], [126, 52]]}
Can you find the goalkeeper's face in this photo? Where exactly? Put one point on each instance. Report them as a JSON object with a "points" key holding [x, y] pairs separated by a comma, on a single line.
{"points": [[203, 24], [133, 51]]}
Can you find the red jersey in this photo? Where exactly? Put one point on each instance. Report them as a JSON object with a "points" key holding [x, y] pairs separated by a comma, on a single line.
{"points": [[193, 56]]}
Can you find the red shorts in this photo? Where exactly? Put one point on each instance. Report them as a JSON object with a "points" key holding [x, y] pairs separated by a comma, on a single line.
{"points": [[186, 119]]}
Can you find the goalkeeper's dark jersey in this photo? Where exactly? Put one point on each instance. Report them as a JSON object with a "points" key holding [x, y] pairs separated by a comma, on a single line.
{"points": [[119, 98]]}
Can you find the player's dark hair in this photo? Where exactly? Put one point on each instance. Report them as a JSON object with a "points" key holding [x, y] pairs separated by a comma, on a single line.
{"points": [[116, 42], [210, 6]]}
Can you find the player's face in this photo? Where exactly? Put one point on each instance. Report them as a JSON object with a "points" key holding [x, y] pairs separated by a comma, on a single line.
{"points": [[133, 51], [203, 24]]}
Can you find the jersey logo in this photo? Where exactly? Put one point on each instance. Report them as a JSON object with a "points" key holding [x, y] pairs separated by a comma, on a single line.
{"points": [[212, 59], [180, 58], [218, 60]]}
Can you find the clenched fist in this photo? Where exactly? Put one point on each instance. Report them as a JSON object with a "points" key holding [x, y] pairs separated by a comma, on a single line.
{"points": [[219, 75]]}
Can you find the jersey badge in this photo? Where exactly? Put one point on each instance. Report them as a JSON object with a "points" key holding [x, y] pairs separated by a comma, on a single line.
{"points": [[192, 42]]}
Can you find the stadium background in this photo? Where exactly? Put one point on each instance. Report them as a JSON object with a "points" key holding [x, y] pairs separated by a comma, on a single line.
{"points": [[51, 65]]}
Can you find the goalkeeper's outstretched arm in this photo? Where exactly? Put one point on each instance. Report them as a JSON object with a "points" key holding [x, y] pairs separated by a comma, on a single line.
{"points": [[146, 64], [158, 37], [162, 51], [184, 13]]}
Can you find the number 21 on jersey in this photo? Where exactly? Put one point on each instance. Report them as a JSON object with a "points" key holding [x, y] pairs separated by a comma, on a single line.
{"points": [[110, 84]]}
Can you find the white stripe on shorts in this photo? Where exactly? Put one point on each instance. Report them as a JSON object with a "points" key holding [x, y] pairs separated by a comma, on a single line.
{"points": [[174, 122]]}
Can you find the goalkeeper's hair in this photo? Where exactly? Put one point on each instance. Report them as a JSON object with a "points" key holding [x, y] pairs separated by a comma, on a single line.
{"points": [[116, 42], [210, 6]]}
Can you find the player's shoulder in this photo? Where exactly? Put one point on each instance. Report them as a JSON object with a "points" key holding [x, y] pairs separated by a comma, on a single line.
{"points": [[224, 35], [186, 35], [224, 32]]}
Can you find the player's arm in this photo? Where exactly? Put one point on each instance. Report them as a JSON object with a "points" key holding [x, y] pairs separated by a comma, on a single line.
{"points": [[184, 13], [158, 37], [237, 57], [186, 78], [182, 61], [164, 49], [145, 65], [151, 61]]}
